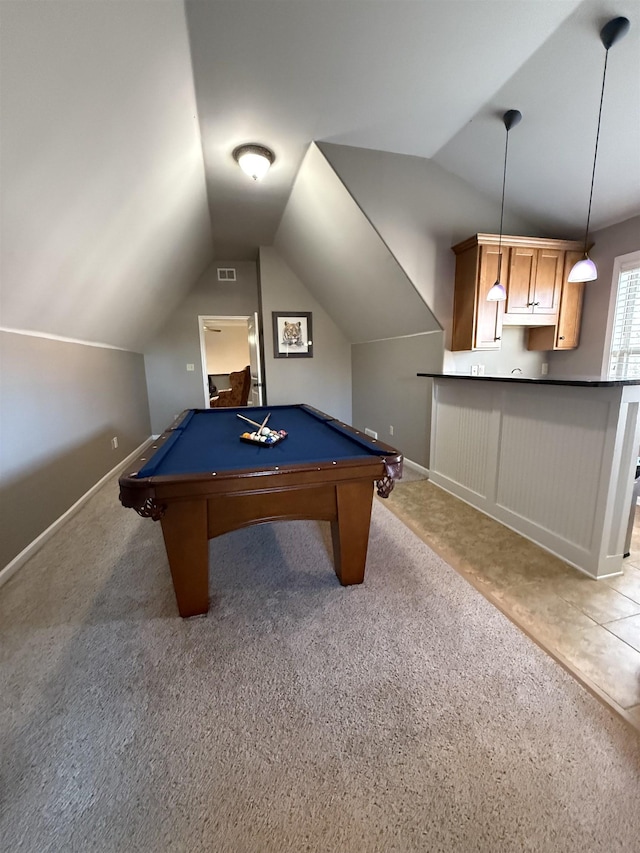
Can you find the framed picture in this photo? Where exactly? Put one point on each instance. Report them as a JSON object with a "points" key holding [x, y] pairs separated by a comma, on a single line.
{"points": [[292, 335]]}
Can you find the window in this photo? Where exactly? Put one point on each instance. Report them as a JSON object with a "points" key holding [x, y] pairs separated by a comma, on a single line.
{"points": [[624, 358]]}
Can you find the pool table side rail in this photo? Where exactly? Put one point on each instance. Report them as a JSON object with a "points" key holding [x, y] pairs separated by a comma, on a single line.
{"points": [[144, 494]]}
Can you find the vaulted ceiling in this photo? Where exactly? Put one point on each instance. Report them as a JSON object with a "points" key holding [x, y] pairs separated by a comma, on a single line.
{"points": [[429, 78], [119, 121]]}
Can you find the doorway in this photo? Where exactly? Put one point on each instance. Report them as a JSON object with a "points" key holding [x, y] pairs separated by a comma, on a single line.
{"points": [[229, 344]]}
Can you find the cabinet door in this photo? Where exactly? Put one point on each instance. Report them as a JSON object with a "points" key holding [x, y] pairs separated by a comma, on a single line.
{"points": [[570, 314], [522, 274], [564, 334], [488, 325], [464, 299], [548, 281]]}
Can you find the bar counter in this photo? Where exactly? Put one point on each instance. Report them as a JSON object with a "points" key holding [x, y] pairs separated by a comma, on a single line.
{"points": [[577, 381], [552, 458]]}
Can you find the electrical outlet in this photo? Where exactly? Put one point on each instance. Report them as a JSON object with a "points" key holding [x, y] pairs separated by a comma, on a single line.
{"points": [[390, 430], [114, 442], [481, 370], [191, 367], [544, 369], [474, 369], [371, 433]]}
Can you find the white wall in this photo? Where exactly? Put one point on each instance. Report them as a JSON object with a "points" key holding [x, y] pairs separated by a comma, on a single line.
{"points": [[328, 241], [590, 358], [62, 403], [104, 218], [323, 381], [421, 211], [103, 225], [228, 349], [172, 388], [387, 393]]}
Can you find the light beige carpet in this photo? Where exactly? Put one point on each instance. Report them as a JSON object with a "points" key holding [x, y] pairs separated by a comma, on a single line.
{"points": [[406, 714]]}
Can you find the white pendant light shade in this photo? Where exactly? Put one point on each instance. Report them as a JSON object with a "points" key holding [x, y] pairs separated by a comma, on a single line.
{"points": [[254, 160], [497, 293], [584, 270], [613, 31]]}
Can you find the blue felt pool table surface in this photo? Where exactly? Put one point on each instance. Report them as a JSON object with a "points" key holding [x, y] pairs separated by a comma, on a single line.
{"points": [[209, 440]]}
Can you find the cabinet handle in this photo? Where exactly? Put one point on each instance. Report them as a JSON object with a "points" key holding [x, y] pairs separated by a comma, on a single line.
{"points": [[561, 338], [497, 338], [536, 303]]}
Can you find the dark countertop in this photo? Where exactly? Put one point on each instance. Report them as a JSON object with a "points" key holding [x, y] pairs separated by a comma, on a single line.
{"points": [[586, 381]]}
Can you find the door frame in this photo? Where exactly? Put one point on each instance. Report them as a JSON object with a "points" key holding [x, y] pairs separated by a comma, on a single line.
{"points": [[230, 319]]}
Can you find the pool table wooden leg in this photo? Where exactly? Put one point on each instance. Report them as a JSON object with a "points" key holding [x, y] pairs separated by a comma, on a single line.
{"points": [[350, 532], [184, 527]]}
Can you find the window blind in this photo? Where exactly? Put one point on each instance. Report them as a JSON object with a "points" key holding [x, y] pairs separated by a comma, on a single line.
{"points": [[625, 340]]}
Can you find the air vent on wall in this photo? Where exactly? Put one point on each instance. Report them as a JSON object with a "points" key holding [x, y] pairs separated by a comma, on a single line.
{"points": [[226, 274]]}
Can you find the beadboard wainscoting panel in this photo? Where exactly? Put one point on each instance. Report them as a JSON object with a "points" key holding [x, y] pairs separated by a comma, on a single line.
{"points": [[550, 460], [553, 461], [464, 439]]}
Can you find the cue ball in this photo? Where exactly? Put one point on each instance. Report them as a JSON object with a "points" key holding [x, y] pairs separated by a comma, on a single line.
{"points": [[265, 430]]}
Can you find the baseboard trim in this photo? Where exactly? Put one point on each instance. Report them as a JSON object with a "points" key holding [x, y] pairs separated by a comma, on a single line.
{"points": [[11, 568], [416, 467]]}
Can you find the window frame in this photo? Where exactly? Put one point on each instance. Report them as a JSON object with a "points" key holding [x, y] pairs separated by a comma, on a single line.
{"points": [[621, 264]]}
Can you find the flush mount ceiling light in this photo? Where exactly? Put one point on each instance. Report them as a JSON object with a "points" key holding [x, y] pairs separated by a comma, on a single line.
{"points": [[615, 29], [254, 160], [497, 293]]}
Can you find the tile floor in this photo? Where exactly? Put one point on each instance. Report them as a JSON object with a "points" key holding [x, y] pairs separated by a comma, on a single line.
{"points": [[590, 627]]}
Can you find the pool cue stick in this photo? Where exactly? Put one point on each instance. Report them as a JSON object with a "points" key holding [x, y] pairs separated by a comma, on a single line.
{"points": [[248, 420], [264, 423]]}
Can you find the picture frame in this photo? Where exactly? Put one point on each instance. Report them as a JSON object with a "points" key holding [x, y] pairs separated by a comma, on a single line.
{"points": [[292, 334]]}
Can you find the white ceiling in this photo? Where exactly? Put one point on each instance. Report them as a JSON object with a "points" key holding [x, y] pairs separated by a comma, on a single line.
{"points": [[108, 110], [428, 78]]}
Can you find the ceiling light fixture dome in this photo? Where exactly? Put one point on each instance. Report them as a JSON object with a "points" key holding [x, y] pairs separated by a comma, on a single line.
{"points": [[615, 29], [497, 293], [254, 160]]}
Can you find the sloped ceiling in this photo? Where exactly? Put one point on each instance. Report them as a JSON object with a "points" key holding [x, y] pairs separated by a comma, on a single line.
{"points": [[335, 250], [104, 212], [119, 119], [431, 78]]}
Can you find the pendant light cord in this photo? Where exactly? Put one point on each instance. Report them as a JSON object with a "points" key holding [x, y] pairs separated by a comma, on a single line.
{"points": [[504, 181], [595, 156]]}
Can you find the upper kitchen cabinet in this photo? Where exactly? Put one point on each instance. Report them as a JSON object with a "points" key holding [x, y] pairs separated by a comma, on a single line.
{"points": [[534, 273], [477, 324], [534, 282], [565, 334]]}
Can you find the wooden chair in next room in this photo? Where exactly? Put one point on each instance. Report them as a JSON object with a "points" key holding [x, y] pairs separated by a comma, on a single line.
{"points": [[237, 394]]}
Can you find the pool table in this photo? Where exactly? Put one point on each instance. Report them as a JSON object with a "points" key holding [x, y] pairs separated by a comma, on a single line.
{"points": [[200, 480]]}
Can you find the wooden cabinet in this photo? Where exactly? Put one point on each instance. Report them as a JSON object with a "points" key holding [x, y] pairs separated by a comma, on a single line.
{"points": [[477, 324], [534, 273], [534, 281], [566, 333]]}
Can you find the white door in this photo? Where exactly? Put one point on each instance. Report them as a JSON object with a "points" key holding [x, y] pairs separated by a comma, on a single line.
{"points": [[236, 345], [256, 396]]}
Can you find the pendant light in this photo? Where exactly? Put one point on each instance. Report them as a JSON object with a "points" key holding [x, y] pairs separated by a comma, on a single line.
{"points": [[585, 269], [497, 293], [254, 160]]}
